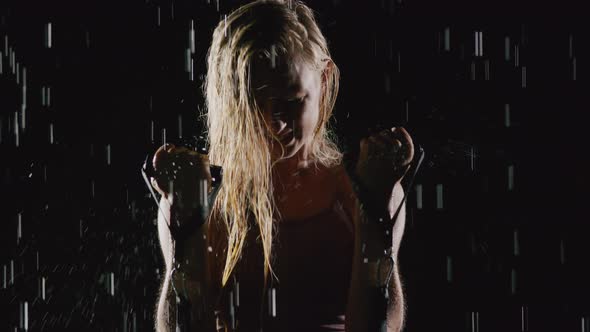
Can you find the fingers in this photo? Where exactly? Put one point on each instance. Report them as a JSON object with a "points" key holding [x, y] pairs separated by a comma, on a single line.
{"points": [[180, 164], [402, 134], [396, 141]]}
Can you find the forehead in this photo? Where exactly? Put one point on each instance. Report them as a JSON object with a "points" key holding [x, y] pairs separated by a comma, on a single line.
{"points": [[286, 78]]}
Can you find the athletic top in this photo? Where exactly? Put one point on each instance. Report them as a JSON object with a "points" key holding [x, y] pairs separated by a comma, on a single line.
{"points": [[313, 264]]}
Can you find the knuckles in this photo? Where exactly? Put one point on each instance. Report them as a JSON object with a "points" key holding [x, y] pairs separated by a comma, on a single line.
{"points": [[179, 167]]}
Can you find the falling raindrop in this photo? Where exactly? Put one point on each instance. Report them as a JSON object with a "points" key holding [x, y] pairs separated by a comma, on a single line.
{"points": [[23, 115], [476, 43], [19, 228], [523, 84], [16, 130], [51, 133], [510, 177], [12, 60], [447, 38], [562, 252], [474, 321], [48, 37], [187, 60], [524, 319], [191, 37], [272, 302], [11, 272], [232, 311], [111, 283], [574, 69], [152, 131], [507, 48], [407, 108], [42, 288], [439, 196], [24, 315], [513, 281], [158, 15], [273, 54], [179, 126], [108, 150], [419, 196], [516, 243], [507, 115], [203, 193]]}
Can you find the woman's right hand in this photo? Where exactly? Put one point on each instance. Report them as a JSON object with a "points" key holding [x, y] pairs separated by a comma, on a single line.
{"points": [[183, 178]]}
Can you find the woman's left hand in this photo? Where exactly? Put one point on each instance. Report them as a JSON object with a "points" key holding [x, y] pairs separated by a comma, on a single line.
{"points": [[384, 160]]}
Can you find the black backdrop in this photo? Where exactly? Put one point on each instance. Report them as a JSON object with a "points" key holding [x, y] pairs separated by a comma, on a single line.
{"points": [[496, 230]]}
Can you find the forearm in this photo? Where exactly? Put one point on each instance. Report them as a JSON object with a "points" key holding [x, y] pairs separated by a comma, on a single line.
{"points": [[396, 308], [191, 279], [366, 277], [360, 305]]}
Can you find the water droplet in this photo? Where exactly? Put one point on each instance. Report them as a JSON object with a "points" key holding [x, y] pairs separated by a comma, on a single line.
{"points": [[48, 35]]}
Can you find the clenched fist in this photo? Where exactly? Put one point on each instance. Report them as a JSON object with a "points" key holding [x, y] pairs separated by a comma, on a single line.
{"points": [[384, 160], [183, 178]]}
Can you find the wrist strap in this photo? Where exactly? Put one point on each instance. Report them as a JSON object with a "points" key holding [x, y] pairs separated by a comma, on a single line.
{"points": [[378, 219]]}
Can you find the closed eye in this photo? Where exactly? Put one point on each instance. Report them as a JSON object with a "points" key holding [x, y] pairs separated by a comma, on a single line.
{"points": [[298, 100]]}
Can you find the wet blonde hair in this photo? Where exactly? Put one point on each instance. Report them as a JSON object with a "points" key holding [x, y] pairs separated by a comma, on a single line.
{"points": [[237, 130]]}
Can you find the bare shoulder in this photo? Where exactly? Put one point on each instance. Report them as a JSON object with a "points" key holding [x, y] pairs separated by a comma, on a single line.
{"points": [[341, 181], [344, 192]]}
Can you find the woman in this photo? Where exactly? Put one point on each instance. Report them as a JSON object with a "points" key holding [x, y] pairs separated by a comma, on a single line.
{"points": [[283, 247]]}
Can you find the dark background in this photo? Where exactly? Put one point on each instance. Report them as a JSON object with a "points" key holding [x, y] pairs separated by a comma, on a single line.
{"points": [[499, 252]]}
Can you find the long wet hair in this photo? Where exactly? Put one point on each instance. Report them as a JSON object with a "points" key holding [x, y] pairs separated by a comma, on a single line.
{"points": [[238, 133]]}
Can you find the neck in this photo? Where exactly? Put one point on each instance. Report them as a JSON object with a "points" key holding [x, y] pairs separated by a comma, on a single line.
{"points": [[293, 165]]}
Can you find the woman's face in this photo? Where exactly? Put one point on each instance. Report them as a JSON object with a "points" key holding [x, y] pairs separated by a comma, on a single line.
{"points": [[289, 96]]}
